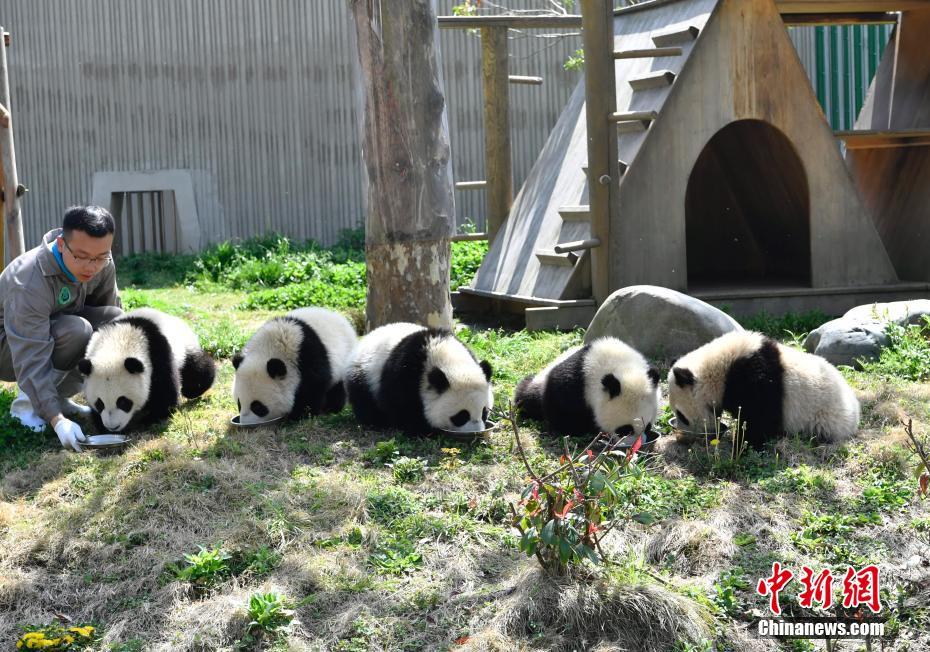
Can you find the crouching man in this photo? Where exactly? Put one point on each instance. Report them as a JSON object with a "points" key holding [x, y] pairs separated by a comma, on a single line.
{"points": [[51, 300]]}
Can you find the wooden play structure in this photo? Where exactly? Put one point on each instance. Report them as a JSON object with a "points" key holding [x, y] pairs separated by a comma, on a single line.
{"points": [[695, 156]]}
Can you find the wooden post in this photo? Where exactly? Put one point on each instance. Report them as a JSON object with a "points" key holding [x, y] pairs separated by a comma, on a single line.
{"points": [[12, 218], [495, 68], [405, 141], [597, 21]]}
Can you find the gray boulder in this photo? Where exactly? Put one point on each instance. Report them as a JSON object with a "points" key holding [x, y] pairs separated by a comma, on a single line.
{"points": [[843, 341], [659, 322], [902, 313]]}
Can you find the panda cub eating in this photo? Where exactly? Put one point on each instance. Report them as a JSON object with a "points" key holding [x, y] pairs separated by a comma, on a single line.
{"points": [[773, 388], [418, 379], [137, 367], [293, 366], [605, 386]]}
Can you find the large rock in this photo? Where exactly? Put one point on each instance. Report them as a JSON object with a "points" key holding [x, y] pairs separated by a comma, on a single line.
{"points": [[659, 322], [844, 341], [899, 312]]}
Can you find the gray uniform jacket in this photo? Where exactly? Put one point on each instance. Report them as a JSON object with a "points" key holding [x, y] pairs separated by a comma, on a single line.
{"points": [[33, 290]]}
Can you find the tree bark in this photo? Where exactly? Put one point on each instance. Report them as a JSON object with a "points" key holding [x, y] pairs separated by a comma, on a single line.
{"points": [[410, 205], [10, 204]]}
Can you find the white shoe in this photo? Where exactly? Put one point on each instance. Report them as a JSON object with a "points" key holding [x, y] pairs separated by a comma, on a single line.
{"points": [[21, 409], [70, 409]]}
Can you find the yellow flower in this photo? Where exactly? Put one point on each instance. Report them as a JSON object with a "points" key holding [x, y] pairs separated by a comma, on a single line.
{"points": [[19, 644], [30, 635], [86, 631], [714, 442], [68, 639]]}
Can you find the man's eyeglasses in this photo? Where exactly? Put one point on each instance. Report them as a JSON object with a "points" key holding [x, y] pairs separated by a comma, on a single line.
{"points": [[83, 260]]}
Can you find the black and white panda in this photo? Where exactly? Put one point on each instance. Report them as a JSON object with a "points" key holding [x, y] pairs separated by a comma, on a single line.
{"points": [[774, 390], [418, 379], [137, 367], [604, 386], [293, 366]]}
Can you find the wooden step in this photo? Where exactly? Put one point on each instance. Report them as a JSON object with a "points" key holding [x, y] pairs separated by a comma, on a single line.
{"points": [[621, 165], [632, 126], [654, 79], [549, 257], [676, 35], [575, 213], [629, 116], [647, 53]]}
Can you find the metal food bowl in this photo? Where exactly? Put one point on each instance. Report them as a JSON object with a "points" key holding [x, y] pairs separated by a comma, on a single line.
{"points": [[110, 441], [466, 435], [261, 424]]}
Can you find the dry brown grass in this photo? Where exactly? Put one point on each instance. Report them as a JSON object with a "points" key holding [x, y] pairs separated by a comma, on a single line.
{"points": [[94, 538]]}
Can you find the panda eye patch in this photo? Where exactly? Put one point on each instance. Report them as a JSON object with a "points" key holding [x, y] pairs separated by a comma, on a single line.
{"points": [[259, 409], [484, 414], [239, 405], [98, 405], [124, 404], [682, 418], [460, 419]]}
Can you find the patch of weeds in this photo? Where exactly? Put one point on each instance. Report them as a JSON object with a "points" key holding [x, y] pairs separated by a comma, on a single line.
{"points": [[407, 470], [132, 645], [391, 503], [358, 638], [643, 491], [382, 453], [221, 338], [466, 258], [395, 555], [19, 446], [268, 613], [907, 354], [832, 536], [744, 540], [320, 453], [921, 525], [885, 487], [749, 466], [255, 563], [726, 587], [151, 270], [133, 299], [801, 479], [203, 569], [791, 325], [702, 646]]}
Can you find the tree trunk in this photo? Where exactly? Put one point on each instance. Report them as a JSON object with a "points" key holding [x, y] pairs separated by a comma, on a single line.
{"points": [[410, 206], [9, 182]]}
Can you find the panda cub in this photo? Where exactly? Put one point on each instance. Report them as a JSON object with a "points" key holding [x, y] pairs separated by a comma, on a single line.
{"points": [[137, 366], [604, 386], [775, 389], [418, 379], [294, 365]]}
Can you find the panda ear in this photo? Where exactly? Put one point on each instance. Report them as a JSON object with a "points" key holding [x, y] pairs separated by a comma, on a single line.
{"points": [[437, 380], [84, 366], [683, 377], [237, 359], [653, 374], [612, 385], [134, 365], [486, 368], [276, 368]]}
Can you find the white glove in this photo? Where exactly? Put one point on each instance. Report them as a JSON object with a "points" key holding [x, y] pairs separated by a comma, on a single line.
{"points": [[69, 434]]}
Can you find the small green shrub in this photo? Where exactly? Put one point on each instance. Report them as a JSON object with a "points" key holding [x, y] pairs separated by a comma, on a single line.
{"points": [[18, 444], [395, 555], [726, 587], [907, 354], [466, 258], [221, 338], [204, 568], [382, 453], [408, 469], [268, 613]]}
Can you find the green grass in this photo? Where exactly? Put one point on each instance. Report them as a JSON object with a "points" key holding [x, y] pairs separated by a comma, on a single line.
{"points": [[907, 355], [326, 535]]}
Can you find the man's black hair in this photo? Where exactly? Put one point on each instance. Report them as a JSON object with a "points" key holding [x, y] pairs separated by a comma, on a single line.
{"points": [[95, 221]]}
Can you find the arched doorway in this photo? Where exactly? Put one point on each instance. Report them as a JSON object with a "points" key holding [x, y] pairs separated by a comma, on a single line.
{"points": [[747, 211]]}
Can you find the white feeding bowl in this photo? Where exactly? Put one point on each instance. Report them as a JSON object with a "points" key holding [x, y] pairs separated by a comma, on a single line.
{"points": [[261, 424], [107, 441], [467, 435]]}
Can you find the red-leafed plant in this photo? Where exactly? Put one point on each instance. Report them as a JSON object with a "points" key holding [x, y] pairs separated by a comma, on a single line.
{"points": [[562, 516]]}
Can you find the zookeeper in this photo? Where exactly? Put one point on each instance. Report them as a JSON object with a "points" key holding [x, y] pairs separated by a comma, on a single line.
{"points": [[51, 300]]}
